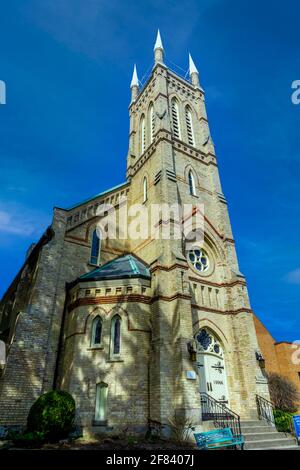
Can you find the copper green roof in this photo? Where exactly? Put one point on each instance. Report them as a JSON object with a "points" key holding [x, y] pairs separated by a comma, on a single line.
{"points": [[126, 266]]}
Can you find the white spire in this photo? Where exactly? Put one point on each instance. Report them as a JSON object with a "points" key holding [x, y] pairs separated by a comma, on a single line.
{"points": [[135, 80], [158, 43], [192, 66]]}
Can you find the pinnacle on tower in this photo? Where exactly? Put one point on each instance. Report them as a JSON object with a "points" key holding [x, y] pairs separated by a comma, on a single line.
{"points": [[135, 80], [194, 74], [158, 43], [134, 85], [158, 49], [193, 68]]}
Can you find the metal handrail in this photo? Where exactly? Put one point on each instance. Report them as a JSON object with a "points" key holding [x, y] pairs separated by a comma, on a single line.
{"points": [[265, 409], [220, 414]]}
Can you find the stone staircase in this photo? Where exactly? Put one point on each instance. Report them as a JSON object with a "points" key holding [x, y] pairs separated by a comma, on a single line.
{"points": [[259, 435]]}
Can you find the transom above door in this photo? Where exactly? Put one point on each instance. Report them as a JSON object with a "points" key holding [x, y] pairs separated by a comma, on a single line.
{"points": [[211, 366]]}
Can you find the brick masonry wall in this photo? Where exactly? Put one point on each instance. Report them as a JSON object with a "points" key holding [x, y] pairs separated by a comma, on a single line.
{"points": [[288, 358], [281, 357], [149, 379], [126, 376], [267, 346]]}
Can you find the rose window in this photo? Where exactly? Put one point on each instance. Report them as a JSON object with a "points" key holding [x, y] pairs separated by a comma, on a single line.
{"points": [[199, 259]]}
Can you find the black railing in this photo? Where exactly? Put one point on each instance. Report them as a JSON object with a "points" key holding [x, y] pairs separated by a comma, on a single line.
{"points": [[265, 410], [220, 414]]}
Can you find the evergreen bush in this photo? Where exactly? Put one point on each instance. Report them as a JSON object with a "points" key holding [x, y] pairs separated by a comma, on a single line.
{"points": [[52, 414]]}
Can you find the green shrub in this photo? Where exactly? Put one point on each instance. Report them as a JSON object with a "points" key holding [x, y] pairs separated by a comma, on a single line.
{"points": [[27, 439], [52, 414], [283, 420]]}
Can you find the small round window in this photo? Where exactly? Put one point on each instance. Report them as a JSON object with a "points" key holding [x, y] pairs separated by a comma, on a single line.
{"points": [[199, 259]]}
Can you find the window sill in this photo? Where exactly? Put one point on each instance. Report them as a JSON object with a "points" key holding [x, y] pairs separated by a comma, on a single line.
{"points": [[95, 348], [99, 423], [94, 265], [115, 360]]}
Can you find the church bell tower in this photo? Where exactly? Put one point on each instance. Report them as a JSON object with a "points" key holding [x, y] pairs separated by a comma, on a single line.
{"points": [[200, 295]]}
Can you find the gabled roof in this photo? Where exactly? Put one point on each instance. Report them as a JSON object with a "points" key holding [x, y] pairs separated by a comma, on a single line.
{"points": [[119, 186], [126, 266]]}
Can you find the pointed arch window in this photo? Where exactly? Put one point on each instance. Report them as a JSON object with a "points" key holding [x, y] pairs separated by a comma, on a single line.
{"points": [[152, 123], [96, 332], [116, 336], [143, 135], [96, 248], [192, 184], [101, 402], [175, 119], [189, 126], [145, 189], [208, 342]]}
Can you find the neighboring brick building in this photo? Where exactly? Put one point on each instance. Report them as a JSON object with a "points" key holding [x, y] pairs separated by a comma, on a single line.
{"points": [[118, 322], [281, 357]]}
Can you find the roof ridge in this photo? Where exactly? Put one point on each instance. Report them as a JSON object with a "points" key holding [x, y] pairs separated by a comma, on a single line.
{"points": [[127, 265], [97, 195], [133, 264], [100, 267]]}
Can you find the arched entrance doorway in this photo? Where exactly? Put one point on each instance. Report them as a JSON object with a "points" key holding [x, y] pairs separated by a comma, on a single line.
{"points": [[211, 366]]}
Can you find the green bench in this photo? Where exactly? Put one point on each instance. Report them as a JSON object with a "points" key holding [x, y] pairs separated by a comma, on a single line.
{"points": [[218, 438]]}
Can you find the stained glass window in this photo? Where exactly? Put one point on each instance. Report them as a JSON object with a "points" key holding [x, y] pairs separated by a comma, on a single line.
{"points": [[96, 331], [192, 184], [204, 339], [199, 259], [95, 251], [208, 343], [116, 335]]}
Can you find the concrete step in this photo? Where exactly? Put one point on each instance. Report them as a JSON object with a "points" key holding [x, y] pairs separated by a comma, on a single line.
{"points": [[270, 444], [257, 422], [258, 430], [264, 436], [278, 448]]}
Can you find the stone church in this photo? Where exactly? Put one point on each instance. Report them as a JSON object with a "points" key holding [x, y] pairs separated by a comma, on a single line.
{"points": [[138, 330]]}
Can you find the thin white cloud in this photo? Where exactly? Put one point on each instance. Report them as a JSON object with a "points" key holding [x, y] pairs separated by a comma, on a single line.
{"points": [[21, 221], [293, 277], [96, 27], [16, 189]]}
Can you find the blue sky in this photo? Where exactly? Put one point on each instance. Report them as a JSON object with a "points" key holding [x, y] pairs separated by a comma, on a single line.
{"points": [[67, 66]]}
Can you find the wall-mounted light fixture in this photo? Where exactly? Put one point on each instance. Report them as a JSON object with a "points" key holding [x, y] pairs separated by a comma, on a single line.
{"points": [[260, 359], [191, 346]]}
